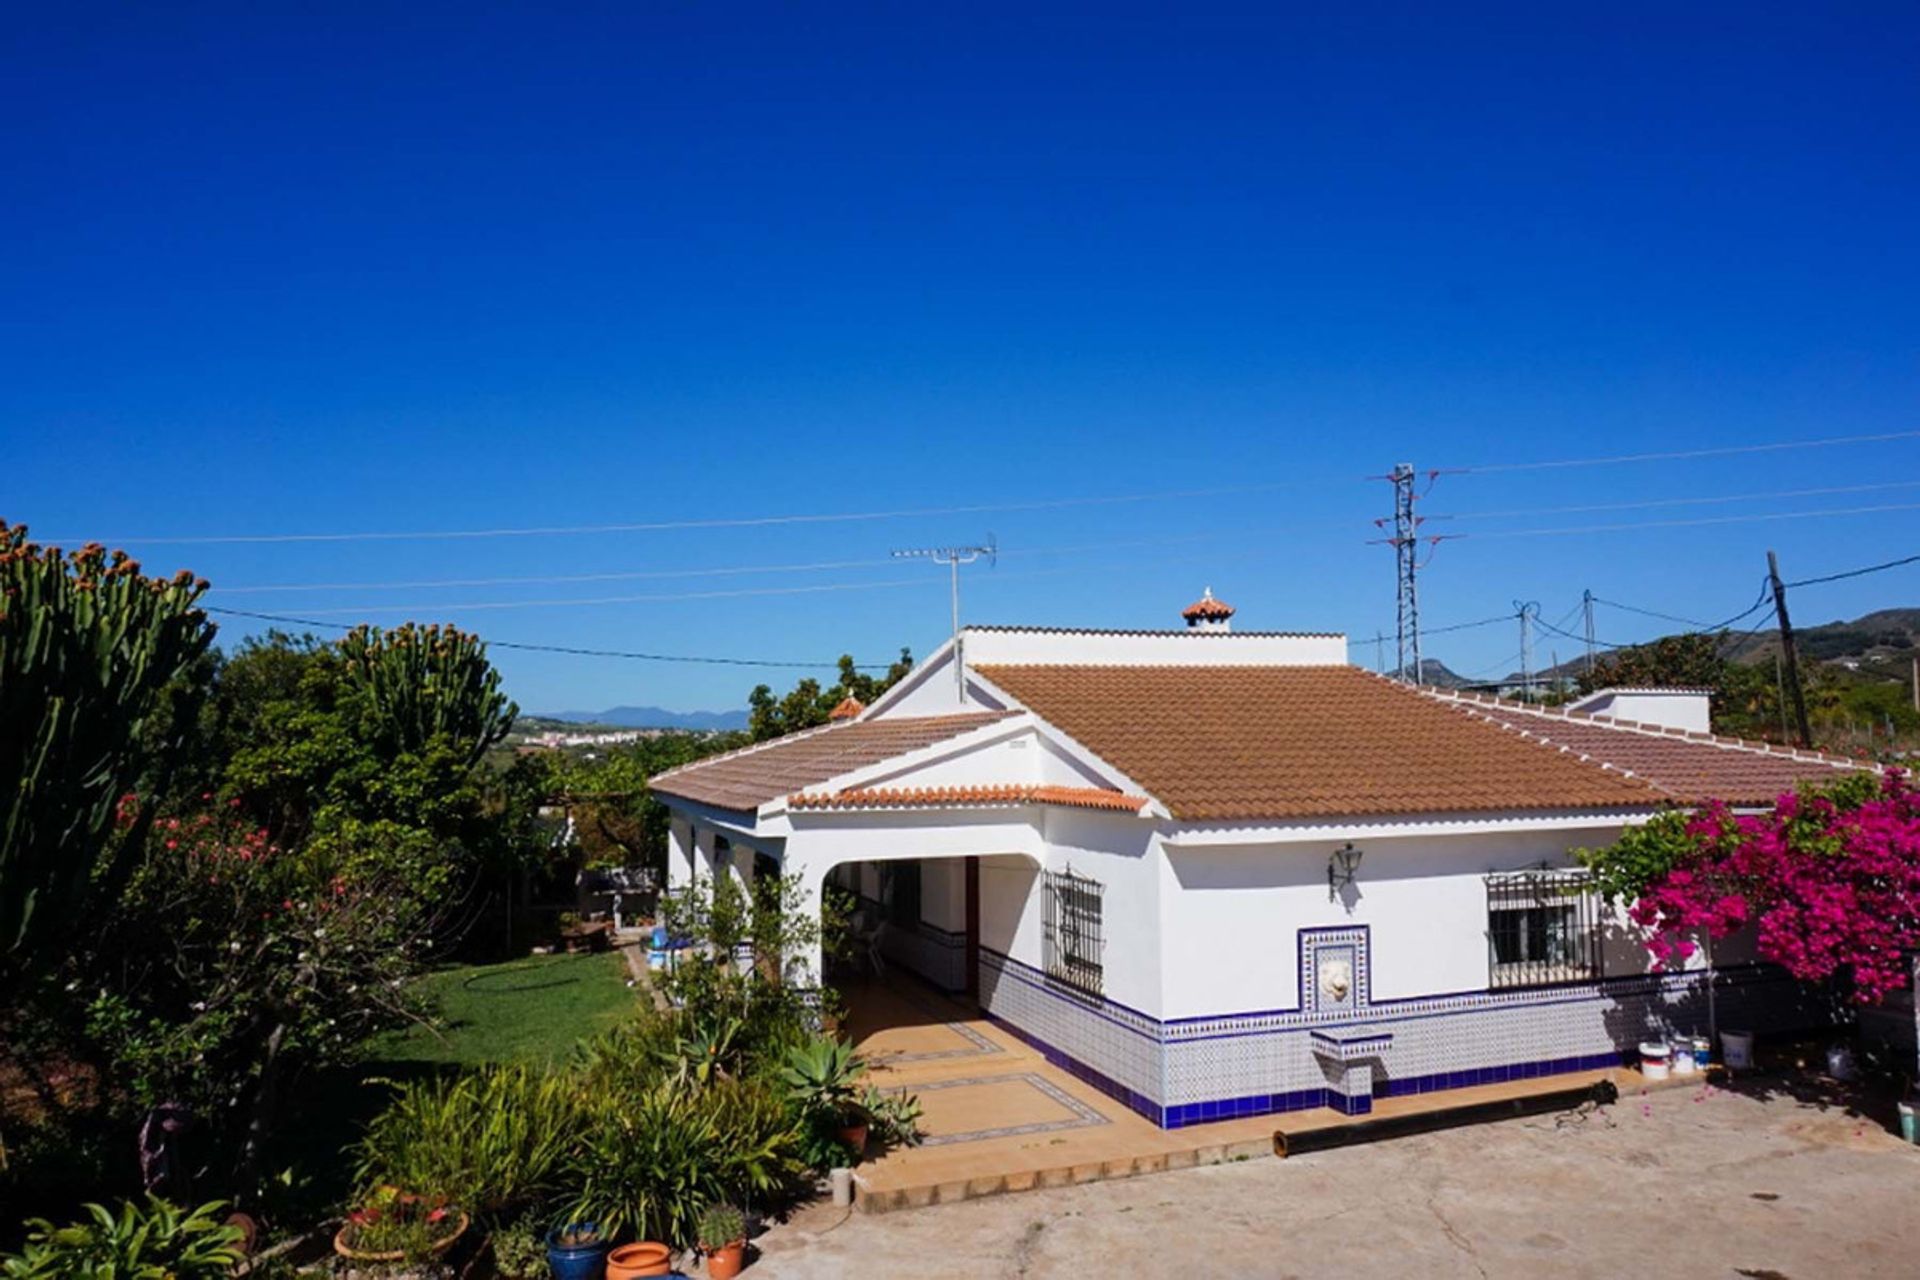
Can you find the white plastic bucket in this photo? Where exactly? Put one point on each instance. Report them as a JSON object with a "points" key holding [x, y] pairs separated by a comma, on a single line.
{"points": [[1736, 1047], [1653, 1060], [1683, 1060]]}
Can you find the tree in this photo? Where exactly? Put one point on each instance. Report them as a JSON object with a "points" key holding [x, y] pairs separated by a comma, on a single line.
{"points": [[1829, 879], [90, 653], [808, 705], [617, 819], [371, 748]]}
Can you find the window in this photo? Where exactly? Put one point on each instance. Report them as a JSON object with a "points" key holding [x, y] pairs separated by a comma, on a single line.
{"points": [[1072, 930], [1542, 928]]}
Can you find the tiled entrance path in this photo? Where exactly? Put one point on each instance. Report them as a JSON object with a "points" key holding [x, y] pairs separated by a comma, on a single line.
{"points": [[998, 1118]]}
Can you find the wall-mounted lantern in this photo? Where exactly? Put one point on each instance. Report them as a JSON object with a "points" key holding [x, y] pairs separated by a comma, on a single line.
{"points": [[1341, 868]]}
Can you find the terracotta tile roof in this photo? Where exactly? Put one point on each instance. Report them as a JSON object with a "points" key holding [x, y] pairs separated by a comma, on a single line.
{"points": [[746, 779], [996, 794], [1302, 741], [847, 708], [1687, 767], [1207, 607]]}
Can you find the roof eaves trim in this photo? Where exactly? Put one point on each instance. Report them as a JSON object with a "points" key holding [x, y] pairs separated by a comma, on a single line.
{"points": [[1648, 729], [1153, 631]]}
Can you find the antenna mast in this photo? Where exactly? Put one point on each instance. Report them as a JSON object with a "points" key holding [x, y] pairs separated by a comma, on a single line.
{"points": [[953, 558]]}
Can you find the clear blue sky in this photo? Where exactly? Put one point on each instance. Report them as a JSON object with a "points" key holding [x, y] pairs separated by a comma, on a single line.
{"points": [[439, 268]]}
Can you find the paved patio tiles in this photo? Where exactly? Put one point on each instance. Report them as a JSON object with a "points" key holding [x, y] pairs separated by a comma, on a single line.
{"points": [[999, 1119]]}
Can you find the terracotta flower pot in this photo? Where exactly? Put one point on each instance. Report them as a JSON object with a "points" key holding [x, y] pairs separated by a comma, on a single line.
{"points": [[725, 1262], [647, 1258], [434, 1250], [855, 1136]]}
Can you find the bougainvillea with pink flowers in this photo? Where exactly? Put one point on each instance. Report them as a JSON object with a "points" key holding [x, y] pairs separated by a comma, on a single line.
{"points": [[1829, 880]]}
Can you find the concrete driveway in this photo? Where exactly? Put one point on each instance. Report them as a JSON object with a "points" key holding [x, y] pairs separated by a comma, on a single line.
{"points": [[1683, 1182]]}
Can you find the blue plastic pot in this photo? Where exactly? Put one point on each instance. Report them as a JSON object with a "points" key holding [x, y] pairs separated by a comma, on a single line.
{"points": [[577, 1261]]}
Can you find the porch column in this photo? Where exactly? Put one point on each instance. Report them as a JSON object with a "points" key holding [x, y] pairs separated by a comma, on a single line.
{"points": [[804, 967], [679, 853]]}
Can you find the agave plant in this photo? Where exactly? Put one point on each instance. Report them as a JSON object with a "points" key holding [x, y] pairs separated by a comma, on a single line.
{"points": [[152, 1241], [820, 1075]]}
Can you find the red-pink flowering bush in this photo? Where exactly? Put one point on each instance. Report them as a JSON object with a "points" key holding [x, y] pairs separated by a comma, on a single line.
{"points": [[1830, 880]]}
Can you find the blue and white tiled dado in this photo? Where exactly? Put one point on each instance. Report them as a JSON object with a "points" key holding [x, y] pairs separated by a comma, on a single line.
{"points": [[1192, 1070]]}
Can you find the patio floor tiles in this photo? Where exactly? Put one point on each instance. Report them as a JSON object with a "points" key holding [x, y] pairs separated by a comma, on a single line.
{"points": [[1122, 1143]]}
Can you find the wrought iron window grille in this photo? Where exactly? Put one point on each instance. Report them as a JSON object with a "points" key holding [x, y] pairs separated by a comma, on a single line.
{"points": [[1543, 928], [1071, 933]]}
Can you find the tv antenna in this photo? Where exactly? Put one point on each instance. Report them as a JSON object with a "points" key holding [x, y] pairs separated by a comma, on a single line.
{"points": [[953, 558]]}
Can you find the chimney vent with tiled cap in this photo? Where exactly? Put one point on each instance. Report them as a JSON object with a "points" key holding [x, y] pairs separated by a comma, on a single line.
{"points": [[1208, 614], [849, 709]]}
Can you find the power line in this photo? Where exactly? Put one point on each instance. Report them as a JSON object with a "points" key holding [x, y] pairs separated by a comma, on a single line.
{"points": [[1686, 524], [718, 572], [1855, 573], [1681, 454], [1465, 626], [1678, 502], [1653, 613], [658, 598], [736, 522], [559, 648]]}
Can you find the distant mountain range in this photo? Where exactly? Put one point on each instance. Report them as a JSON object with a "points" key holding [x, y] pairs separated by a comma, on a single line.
{"points": [[649, 718]]}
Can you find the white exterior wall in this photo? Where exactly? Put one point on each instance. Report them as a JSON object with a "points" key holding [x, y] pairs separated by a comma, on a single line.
{"points": [[1689, 709], [1231, 914], [1122, 854]]}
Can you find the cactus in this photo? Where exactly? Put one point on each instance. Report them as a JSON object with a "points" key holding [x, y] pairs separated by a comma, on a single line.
{"points": [[88, 650], [420, 683]]}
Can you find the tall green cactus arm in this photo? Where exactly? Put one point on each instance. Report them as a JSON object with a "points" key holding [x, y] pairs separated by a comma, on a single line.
{"points": [[419, 683], [88, 647]]}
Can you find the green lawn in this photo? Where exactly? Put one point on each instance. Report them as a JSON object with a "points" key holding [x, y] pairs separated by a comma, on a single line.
{"points": [[533, 1009]]}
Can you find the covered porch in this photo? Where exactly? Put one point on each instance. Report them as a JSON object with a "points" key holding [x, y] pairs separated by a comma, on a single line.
{"points": [[1000, 1118]]}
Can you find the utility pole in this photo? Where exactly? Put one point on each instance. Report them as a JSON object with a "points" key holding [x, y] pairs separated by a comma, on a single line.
{"points": [[1586, 608], [1526, 652], [953, 558], [1379, 651], [1790, 663]]}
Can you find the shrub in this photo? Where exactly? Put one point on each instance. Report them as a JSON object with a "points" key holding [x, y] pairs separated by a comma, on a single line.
{"points": [[520, 1251], [154, 1241], [649, 1164], [895, 1116], [498, 1139]]}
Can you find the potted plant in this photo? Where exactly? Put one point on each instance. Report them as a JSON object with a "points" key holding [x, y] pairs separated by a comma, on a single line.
{"points": [[819, 1076], [576, 1251], [394, 1226], [723, 1238], [645, 1258]]}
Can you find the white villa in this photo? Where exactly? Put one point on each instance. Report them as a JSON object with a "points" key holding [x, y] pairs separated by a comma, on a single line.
{"points": [[1219, 873]]}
